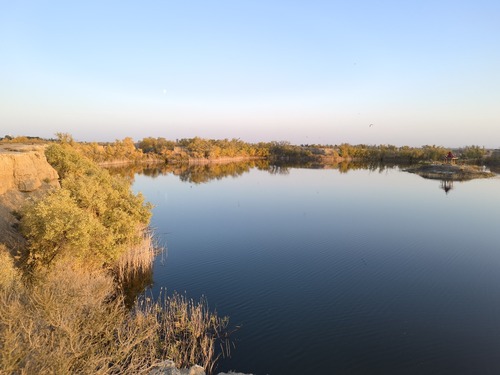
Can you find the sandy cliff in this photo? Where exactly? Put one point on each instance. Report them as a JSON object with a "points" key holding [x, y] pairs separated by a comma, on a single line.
{"points": [[24, 173], [24, 168]]}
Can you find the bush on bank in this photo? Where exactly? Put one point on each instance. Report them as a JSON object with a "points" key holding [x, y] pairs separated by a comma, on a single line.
{"points": [[93, 217], [69, 316]]}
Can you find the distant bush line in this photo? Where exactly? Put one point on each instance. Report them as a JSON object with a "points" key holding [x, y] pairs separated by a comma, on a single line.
{"points": [[187, 150]]}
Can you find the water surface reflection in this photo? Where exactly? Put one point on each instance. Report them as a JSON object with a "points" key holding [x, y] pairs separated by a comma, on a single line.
{"points": [[342, 269], [199, 173]]}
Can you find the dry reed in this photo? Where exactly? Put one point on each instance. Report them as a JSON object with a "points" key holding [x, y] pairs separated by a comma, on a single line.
{"points": [[8, 274], [72, 320], [189, 332], [138, 258]]}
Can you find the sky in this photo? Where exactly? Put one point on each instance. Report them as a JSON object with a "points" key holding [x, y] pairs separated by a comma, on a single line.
{"points": [[304, 71]]}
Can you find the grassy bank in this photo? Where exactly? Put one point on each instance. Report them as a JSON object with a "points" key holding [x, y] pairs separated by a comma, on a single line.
{"points": [[62, 309], [72, 320]]}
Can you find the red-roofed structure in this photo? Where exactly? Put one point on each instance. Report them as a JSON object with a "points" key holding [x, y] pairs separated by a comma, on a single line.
{"points": [[451, 158]]}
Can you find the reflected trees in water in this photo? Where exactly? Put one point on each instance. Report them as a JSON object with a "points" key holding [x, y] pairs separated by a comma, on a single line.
{"points": [[199, 173]]}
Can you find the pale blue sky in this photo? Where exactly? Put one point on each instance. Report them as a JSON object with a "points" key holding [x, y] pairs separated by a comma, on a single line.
{"points": [[423, 72]]}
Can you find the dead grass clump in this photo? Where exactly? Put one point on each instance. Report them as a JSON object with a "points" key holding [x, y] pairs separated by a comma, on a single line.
{"points": [[190, 333], [134, 269], [138, 259], [8, 273], [72, 320]]}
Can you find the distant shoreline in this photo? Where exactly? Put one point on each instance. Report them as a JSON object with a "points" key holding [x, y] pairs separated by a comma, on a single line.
{"points": [[198, 150]]}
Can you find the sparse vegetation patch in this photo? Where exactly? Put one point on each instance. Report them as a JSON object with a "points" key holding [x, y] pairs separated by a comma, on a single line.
{"points": [[62, 310]]}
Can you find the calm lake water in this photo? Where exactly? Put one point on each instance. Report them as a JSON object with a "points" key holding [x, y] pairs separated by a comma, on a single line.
{"points": [[365, 272]]}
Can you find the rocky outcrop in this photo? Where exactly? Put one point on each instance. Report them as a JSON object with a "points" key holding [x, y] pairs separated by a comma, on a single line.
{"points": [[168, 368], [24, 168]]}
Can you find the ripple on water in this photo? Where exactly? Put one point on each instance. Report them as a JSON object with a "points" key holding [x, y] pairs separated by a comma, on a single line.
{"points": [[354, 283]]}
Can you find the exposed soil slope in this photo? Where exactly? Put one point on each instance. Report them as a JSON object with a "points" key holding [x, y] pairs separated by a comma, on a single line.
{"points": [[24, 173]]}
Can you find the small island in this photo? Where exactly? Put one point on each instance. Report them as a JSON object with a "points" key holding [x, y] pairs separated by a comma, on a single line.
{"points": [[450, 172]]}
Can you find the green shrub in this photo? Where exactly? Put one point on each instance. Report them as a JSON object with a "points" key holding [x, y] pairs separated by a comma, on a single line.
{"points": [[57, 226], [94, 216], [65, 159]]}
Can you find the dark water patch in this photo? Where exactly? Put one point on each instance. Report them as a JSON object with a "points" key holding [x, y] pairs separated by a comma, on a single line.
{"points": [[328, 272]]}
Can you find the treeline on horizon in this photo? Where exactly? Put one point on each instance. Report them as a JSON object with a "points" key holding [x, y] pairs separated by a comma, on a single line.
{"points": [[188, 149]]}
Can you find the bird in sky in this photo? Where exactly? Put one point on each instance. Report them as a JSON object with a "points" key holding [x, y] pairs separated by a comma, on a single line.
{"points": [[370, 125]]}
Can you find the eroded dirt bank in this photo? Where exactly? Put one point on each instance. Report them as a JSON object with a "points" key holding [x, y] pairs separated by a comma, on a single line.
{"points": [[24, 173]]}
